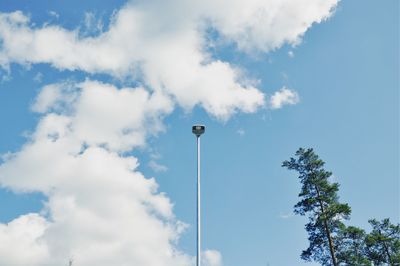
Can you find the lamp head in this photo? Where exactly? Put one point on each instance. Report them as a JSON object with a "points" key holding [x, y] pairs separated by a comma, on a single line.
{"points": [[198, 130]]}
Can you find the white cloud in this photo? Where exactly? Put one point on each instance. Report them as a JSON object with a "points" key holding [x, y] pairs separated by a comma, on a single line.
{"points": [[92, 24], [20, 241], [291, 54], [119, 119], [283, 97], [147, 38], [100, 209], [136, 43], [266, 25], [54, 96], [212, 258], [157, 167]]}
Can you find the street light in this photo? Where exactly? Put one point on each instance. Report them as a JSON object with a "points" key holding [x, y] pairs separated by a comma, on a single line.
{"points": [[198, 130]]}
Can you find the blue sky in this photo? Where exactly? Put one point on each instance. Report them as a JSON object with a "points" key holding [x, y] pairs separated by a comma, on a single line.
{"points": [[345, 72]]}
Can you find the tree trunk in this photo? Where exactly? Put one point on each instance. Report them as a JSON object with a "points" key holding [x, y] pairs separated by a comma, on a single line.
{"points": [[328, 233]]}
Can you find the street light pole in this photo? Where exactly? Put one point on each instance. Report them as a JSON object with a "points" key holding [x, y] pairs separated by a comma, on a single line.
{"points": [[198, 130], [198, 204]]}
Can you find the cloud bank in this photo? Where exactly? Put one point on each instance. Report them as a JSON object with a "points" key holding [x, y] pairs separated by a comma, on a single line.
{"points": [[164, 44], [100, 210]]}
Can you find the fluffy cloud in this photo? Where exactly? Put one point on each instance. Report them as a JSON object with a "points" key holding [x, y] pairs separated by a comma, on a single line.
{"points": [[283, 97], [100, 210], [24, 233], [164, 44], [266, 25], [171, 61]]}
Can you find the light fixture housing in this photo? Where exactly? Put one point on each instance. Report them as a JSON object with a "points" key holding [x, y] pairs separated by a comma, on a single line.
{"points": [[198, 130]]}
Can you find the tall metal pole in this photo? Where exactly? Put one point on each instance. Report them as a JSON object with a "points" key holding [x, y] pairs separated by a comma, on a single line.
{"points": [[198, 130], [198, 204]]}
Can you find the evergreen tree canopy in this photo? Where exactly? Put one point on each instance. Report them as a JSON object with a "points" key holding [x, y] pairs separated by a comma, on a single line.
{"points": [[383, 243], [351, 248], [320, 202]]}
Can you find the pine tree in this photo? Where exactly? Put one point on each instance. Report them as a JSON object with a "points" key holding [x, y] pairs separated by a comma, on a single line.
{"points": [[320, 202], [383, 243], [351, 247]]}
